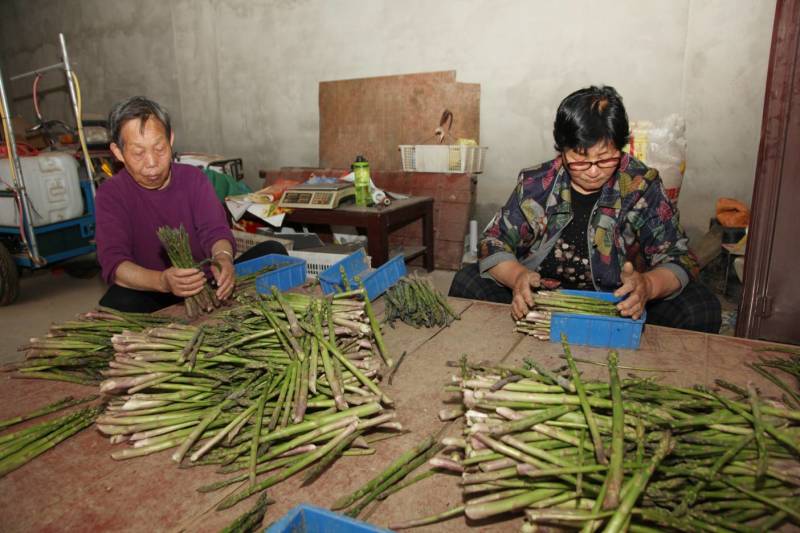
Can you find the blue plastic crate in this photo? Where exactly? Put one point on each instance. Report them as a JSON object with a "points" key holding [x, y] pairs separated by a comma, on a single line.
{"points": [[309, 519], [376, 281], [284, 278], [599, 331]]}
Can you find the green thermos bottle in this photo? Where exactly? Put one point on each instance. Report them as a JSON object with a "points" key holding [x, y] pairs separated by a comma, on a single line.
{"points": [[361, 171]]}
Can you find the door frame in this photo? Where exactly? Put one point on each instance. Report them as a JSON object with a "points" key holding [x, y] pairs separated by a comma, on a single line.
{"points": [[783, 62]]}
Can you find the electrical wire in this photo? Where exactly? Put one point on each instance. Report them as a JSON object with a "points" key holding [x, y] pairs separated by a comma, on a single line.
{"points": [[79, 118], [36, 97]]}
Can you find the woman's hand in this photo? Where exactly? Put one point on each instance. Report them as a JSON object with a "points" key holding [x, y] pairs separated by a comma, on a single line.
{"points": [[523, 297], [225, 274], [639, 290], [183, 282]]}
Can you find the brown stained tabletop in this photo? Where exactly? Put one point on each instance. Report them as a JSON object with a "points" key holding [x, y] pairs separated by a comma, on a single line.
{"points": [[78, 487]]}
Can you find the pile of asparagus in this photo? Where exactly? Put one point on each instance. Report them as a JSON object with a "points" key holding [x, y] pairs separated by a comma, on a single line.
{"points": [[21, 446], [284, 381], [416, 302], [78, 350], [176, 242], [537, 322], [626, 454]]}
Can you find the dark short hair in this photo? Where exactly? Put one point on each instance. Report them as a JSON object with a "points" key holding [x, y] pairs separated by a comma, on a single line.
{"points": [[136, 107], [589, 116]]}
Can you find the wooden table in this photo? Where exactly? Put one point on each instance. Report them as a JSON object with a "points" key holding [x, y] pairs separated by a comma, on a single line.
{"points": [[378, 223], [78, 487]]}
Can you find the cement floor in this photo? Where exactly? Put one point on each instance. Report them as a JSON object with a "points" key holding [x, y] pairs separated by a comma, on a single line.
{"points": [[77, 486], [46, 296]]}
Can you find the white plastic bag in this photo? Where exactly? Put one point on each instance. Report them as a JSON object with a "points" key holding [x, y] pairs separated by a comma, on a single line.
{"points": [[662, 145]]}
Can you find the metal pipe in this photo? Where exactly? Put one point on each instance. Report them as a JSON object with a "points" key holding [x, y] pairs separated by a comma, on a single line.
{"points": [[35, 72], [74, 98], [19, 180]]}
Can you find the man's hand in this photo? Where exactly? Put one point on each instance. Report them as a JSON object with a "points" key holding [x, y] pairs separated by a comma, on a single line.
{"points": [[523, 297], [183, 282], [225, 274], [639, 290]]}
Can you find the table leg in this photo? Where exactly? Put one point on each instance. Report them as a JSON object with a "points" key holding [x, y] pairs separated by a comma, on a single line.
{"points": [[427, 237], [728, 261], [377, 242]]}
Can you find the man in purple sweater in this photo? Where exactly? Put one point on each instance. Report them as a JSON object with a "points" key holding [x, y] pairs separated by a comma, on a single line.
{"points": [[150, 192]]}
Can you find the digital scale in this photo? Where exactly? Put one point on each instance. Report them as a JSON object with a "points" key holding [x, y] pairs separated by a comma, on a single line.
{"points": [[317, 195]]}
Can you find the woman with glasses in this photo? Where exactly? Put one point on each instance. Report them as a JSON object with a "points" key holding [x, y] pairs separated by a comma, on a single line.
{"points": [[593, 218]]}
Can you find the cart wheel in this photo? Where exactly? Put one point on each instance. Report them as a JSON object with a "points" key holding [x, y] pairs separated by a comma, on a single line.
{"points": [[9, 277]]}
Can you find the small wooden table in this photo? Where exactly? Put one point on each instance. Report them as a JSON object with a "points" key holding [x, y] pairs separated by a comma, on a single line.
{"points": [[378, 223]]}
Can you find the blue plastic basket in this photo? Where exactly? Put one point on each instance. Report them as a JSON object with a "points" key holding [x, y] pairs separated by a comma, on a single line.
{"points": [[284, 278], [376, 281], [309, 519], [599, 331]]}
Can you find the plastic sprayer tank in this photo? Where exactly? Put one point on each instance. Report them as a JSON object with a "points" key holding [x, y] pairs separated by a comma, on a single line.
{"points": [[53, 187]]}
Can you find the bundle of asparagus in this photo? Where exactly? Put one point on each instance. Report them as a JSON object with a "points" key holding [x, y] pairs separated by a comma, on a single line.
{"points": [[176, 242], [390, 480], [246, 282], [63, 403], [250, 521], [78, 350], [624, 454], [416, 302], [21, 446], [537, 322], [283, 382]]}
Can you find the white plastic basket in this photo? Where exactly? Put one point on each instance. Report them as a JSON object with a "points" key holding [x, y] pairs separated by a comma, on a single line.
{"points": [[245, 241], [442, 158], [316, 262]]}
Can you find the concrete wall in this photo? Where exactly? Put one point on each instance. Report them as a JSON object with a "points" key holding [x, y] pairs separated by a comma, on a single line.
{"points": [[240, 77]]}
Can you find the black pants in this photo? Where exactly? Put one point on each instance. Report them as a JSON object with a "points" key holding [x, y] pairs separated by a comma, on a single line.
{"points": [[135, 301], [695, 308]]}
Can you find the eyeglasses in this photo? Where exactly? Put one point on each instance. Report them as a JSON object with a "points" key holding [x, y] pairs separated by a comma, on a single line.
{"points": [[611, 162]]}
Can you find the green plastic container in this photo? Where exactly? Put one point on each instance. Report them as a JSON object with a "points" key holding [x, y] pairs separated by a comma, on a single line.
{"points": [[361, 172]]}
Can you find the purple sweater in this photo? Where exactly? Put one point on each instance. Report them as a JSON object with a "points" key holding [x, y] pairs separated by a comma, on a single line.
{"points": [[128, 217]]}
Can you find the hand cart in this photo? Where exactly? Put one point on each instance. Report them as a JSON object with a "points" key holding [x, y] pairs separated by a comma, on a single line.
{"points": [[23, 246]]}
